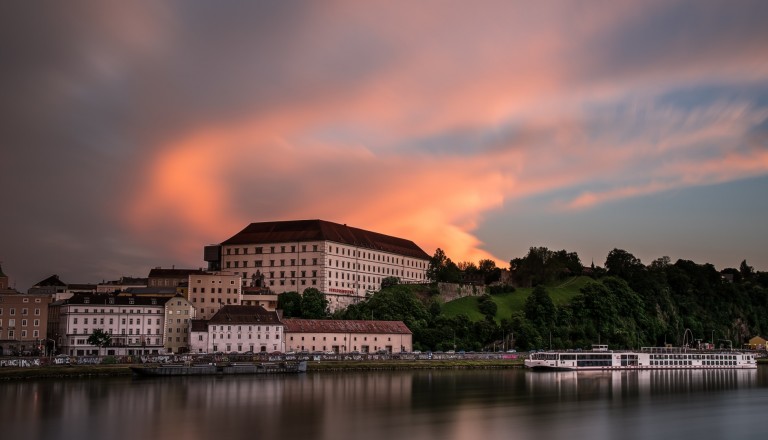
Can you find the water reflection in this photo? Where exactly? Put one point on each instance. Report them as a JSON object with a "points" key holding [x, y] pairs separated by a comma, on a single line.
{"points": [[487, 404], [599, 384]]}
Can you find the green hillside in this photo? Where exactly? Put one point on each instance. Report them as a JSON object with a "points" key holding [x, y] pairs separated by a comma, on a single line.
{"points": [[561, 293]]}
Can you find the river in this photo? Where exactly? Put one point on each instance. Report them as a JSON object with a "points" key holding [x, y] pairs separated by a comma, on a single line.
{"points": [[436, 404]]}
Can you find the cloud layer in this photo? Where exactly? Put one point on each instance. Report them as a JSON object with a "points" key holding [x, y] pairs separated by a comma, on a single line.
{"points": [[168, 126]]}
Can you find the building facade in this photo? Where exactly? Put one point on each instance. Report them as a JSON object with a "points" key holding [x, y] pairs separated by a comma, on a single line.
{"points": [[23, 322], [135, 324], [243, 329], [159, 277], [347, 336], [209, 292], [179, 313], [343, 262]]}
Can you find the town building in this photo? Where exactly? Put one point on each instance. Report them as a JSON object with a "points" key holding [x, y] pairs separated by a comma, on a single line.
{"points": [[23, 322], [159, 277], [121, 285], [244, 329], [346, 336], [179, 313], [260, 296], [135, 323], [209, 292], [198, 340], [344, 262]]}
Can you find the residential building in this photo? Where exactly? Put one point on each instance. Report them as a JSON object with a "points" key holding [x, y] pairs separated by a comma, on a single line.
{"points": [[209, 292], [345, 336], [179, 313], [135, 323], [23, 322], [198, 340], [4, 280], [245, 329], [345, 263], [259, 296], [159, 277], [121, 285], [51, 286]]}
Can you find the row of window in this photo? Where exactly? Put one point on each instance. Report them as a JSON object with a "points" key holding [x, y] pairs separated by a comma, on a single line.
{"points": [[119, 310], [240, 336], [23, 334], [24, 311], [86, 331], [217, 290], [260, 249], [354, 338], [111, 321], [24, 323]]}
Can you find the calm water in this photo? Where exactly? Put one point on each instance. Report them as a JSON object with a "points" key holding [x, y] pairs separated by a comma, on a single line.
{"points": [[487, 404]]}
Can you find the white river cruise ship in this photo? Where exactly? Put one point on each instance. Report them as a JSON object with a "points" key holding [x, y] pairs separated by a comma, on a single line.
{"points": [[648, 358]]}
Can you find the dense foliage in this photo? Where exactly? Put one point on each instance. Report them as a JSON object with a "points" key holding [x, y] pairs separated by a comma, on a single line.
{"points": [[626, 305]]}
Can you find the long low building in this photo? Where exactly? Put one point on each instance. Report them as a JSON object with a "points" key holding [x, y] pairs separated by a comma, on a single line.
{"points": [[346, 336], [344, 262]]}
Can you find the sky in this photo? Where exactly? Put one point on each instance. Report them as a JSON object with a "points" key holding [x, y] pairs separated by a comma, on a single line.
{"points": [[135, 133]]}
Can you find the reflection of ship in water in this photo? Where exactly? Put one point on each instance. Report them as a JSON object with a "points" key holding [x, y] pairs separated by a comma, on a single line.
{"points": [[601, 384]]}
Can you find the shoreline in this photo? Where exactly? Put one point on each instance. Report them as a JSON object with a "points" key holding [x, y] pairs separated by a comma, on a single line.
{"points": [[123, 370]]}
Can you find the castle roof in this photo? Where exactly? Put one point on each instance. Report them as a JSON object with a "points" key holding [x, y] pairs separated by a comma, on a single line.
{"points": [[321, 230]]}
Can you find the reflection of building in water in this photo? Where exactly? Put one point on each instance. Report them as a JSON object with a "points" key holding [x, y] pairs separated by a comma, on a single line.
{"points": [[599, 384]]}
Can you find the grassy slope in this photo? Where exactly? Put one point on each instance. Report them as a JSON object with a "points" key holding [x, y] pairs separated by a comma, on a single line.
{"points": [[561, 293]]}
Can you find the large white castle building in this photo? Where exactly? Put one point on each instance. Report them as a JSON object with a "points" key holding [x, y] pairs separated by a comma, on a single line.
{"points": [[343, 262]]}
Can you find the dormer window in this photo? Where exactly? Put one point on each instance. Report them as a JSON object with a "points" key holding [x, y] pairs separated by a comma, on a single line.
{"points": [[131, 301], [154, 301], [86, 300], [111, 300]]}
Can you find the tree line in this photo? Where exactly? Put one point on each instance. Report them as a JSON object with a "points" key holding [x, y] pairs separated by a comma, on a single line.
{"points": [[627, 304]]}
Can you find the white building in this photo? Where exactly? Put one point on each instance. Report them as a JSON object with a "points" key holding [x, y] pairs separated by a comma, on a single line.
{"points": [[209, 292], [346, 336], [135, 324], [243, 329], [345, 263]]}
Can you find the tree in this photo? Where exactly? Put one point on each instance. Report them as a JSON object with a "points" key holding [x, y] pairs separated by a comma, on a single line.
{"points": [[314, 305], [442, 269], [390, 281], [622, 264], [290, 304], [487, 307], [99, 338], [539, 308]]}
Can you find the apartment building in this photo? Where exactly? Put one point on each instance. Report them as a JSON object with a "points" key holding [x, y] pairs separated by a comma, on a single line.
{"points": [[136, 324]]}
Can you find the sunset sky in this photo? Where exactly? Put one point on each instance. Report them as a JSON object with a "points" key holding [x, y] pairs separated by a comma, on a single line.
{"points": [[134, 133]]}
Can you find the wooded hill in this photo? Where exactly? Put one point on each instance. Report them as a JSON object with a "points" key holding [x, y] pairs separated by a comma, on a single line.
{"points": [[626, 304]]}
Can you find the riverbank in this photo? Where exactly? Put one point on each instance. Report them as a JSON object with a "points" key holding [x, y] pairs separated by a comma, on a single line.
{"points": [[94, 371], [87, 371]]}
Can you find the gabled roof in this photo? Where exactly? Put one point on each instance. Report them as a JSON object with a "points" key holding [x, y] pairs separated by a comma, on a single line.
{"points": [[321, 230], [52, 280], [236, 314], [295, 325]]}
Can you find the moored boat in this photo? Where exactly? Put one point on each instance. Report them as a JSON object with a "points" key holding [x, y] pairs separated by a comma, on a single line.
{"points": [[224, 369], [648, 358]]}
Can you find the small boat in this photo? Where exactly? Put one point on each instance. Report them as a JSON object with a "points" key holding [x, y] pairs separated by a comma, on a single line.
{"points": [[648, 358], [221, 369]]}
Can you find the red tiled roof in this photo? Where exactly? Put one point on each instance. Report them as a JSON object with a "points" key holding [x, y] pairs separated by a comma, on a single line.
{"points": [[295, 325], [236, 314], [321, 230]]}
